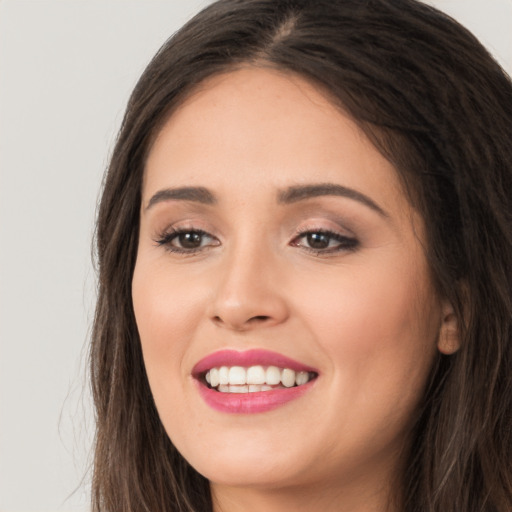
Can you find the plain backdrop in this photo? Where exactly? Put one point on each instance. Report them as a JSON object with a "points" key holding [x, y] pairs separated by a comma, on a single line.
{"points": [[66, 70]]}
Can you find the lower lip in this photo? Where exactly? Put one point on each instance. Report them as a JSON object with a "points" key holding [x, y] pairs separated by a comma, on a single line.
{"points": [[251, 403]]}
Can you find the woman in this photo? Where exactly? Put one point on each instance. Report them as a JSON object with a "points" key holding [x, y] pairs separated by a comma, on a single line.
{"points": [[304, 246]]}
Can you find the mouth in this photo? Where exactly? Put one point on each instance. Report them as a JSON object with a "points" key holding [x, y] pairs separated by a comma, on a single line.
{"points": [[254, 379], [251, 381]]}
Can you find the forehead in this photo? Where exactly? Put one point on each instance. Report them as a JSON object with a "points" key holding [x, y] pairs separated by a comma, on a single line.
{"points": [[261, 127]]}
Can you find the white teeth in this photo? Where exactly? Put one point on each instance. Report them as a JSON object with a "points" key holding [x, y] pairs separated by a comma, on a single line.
{"points": [[288, 378], [214, 377], [224, 375], [256, 375], [239, 389], [273, 375], [237, 379], [251, 388], [301, 378], [237, 375]]}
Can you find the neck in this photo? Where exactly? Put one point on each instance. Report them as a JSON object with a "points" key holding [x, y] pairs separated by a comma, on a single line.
{"points": [[356, 496]]}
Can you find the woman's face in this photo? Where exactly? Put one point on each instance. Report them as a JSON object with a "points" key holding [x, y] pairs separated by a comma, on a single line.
{"points": [[271, 228]]}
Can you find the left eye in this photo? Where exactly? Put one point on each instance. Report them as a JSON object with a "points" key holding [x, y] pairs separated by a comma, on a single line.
{"points": [[324, 241], [189, 240], [183, 241]]}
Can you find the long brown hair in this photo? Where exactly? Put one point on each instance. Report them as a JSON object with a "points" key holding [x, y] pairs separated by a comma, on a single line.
{"points": [[436, 104]]}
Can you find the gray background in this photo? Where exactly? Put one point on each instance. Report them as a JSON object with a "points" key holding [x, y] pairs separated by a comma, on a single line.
{"points": [[66, 70]]}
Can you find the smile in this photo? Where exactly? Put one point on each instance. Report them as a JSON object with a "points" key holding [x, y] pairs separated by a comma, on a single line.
{"points": [[251, 381], [237, 379]]}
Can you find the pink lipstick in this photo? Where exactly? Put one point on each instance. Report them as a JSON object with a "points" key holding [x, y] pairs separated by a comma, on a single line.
{"points": [[251, 381]]}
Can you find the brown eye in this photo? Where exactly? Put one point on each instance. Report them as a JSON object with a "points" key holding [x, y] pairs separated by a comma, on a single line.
{"points": [[187, 241], [325, 242], [190, 240], [318, 240]]}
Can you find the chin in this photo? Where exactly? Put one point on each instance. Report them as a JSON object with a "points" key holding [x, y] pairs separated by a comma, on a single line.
{"points": [[246, 460]]}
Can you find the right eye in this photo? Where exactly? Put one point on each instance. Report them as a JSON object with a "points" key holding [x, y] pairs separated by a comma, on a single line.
{"points": [[187, 241], [324, 242]]}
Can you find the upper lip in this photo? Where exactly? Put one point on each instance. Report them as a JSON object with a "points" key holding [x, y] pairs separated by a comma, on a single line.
{"points": [[248, 358]]}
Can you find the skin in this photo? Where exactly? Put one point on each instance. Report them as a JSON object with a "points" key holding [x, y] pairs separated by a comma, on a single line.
{"points": [[367, 317]]}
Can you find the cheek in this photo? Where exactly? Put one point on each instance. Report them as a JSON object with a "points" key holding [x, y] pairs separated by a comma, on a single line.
{"points": [[166, 302], [376, 322], [165, 312], [378, 329]]}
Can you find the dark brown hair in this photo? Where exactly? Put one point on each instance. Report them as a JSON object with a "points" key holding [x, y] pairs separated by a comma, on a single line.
{"points": [[435, 103]]}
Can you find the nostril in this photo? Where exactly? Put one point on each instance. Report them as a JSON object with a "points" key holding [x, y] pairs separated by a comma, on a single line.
{"points": [[259, 318], [254, 320]]}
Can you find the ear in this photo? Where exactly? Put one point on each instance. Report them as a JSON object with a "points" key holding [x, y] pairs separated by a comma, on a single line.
{"points": [[449, 334]]}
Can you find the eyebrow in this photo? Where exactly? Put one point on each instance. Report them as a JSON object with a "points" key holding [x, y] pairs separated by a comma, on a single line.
{"points": [[196, 194], [302, 192], [289, 195]]}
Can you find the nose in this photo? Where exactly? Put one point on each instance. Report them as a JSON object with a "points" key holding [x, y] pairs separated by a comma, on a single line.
{"points": [[248, 293]]}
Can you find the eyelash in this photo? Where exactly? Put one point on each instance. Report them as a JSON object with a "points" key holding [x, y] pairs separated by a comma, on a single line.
{"points": [[345, 243], [167, 237]]}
